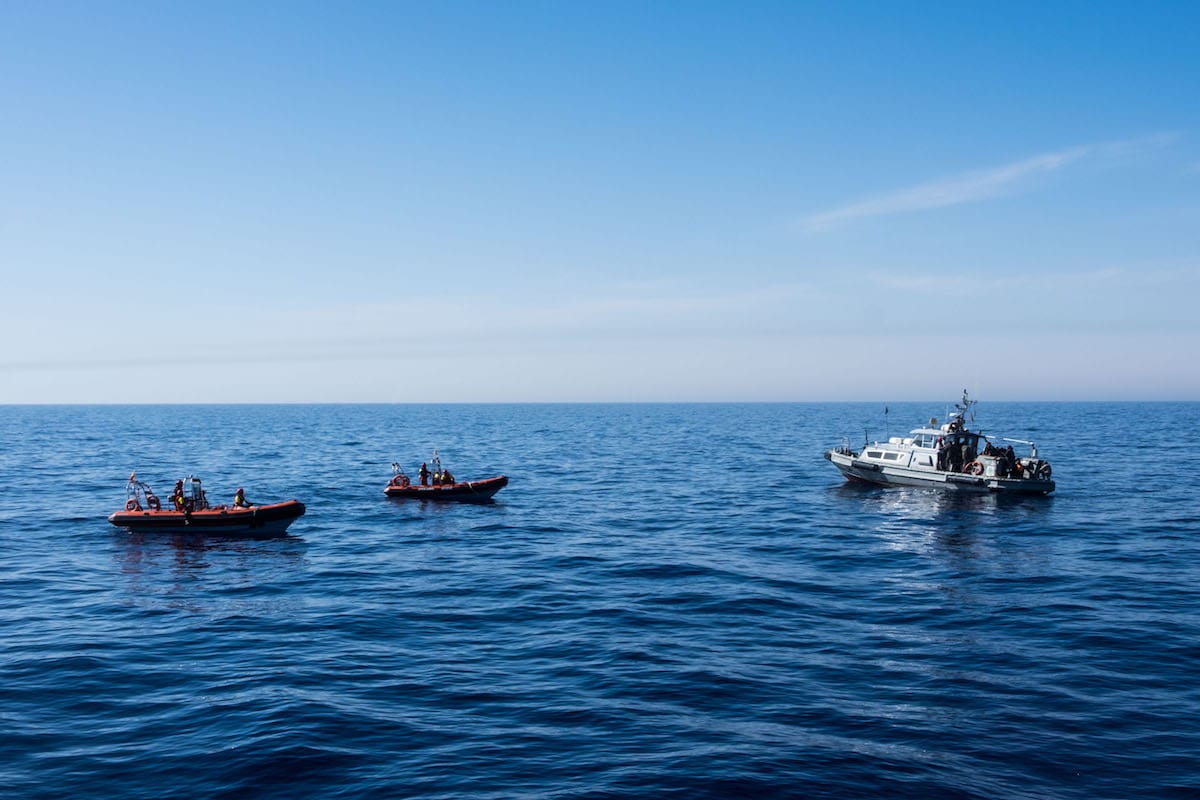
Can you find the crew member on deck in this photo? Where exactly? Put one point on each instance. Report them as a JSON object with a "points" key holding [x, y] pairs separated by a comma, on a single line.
{"points": [[239, 499], [424, 474], [447, 478], [955, 455]]}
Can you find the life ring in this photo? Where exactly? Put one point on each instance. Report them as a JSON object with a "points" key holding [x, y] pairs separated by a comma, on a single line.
{"points": [[974, 468], [152, 502], [400, 480], [131, 505], [1044, 472]]}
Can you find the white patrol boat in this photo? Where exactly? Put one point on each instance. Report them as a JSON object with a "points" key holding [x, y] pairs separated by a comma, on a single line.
{"points": [[947, 456]]}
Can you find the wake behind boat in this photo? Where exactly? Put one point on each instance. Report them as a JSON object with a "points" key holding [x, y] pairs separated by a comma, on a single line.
{"points": [[188, 511], [948, 456]]}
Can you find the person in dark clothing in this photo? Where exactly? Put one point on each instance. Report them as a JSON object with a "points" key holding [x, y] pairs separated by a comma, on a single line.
{"points": [[424, 474], [956, 454]]}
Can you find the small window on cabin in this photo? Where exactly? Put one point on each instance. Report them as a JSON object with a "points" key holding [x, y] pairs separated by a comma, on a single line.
{"points": [[891, 456], [874, 454]]}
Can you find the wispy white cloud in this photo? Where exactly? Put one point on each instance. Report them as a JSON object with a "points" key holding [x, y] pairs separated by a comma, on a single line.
{"points": [[976, 185], [428, 326], [980, 285], [970, 284]]}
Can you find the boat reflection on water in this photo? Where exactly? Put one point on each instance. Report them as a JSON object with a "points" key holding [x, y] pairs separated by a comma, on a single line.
{"points": [[951, 527], [923, 503], [205, 573]]}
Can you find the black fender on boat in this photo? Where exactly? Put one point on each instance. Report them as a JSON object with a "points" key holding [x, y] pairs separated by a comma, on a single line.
{"points": [[968, 479]]}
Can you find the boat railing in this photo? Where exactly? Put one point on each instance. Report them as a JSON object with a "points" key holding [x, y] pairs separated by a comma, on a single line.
{"points": [[139, 492], [1032, 446]]}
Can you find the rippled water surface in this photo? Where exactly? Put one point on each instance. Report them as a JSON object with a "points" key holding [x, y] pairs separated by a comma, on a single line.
{"points": [[667, 601]]}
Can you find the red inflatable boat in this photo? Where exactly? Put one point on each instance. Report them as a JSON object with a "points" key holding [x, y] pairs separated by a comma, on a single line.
{"points": [[462, 491], [189, 512]]}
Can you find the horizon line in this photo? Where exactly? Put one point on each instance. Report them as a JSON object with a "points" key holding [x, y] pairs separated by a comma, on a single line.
{"points": [[81, 404]]}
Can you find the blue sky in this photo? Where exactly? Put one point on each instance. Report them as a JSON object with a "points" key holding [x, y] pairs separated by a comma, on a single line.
{"points": [[457, 202]]}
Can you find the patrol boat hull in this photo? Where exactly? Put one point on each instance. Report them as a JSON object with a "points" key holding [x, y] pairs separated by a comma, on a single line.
{"points": [[861, 470]]}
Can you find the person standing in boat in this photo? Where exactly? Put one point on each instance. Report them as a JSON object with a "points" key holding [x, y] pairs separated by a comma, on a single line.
{"points": [[447, 478], [176, 497], [239, 499], [1014, 466], [424, 474], [956, 454]]}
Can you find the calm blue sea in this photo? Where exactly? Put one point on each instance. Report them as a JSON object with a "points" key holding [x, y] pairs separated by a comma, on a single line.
{"points": [[668, 601]]}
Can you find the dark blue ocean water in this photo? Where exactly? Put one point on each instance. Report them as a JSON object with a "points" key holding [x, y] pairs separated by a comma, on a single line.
{"points": [[669, 601]]}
